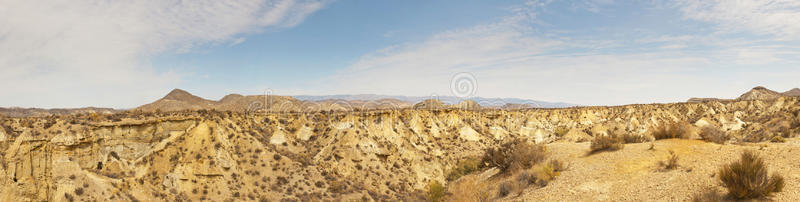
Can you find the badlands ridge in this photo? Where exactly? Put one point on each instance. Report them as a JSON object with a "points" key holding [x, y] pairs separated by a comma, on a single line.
{"points": [[276, 148]]}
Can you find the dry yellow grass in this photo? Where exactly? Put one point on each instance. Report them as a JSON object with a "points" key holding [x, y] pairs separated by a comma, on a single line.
{"points": [[469, 189]]}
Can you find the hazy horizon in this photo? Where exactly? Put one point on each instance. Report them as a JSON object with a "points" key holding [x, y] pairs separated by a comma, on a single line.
{"points": [[594, 52]]}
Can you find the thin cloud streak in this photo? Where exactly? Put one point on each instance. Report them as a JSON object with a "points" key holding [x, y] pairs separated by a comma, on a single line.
{"points": [[511, 58]]}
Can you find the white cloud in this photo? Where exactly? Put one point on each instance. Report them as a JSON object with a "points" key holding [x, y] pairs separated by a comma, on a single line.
{"points": [[773, 17], [511, 58], [68, 53]]}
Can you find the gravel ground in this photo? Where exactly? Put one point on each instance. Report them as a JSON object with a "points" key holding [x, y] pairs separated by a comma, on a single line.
{"points": [[634, 173]]}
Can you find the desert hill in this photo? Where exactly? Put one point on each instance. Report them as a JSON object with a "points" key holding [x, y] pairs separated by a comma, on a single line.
{"points": [[793, 92], [757, 93], [180, 100], [760, 93]]}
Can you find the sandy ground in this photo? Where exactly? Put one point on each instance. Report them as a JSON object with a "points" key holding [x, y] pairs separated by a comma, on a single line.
{"points": [[634, 173]]}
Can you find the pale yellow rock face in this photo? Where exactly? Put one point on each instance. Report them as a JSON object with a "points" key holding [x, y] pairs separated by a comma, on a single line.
{"points": [[373, 155]]}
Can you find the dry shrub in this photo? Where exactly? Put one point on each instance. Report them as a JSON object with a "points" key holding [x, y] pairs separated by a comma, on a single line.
{"points": [[525, 178], [464, 167], [545, 173], [515, 155], [435, 192], [748, 179], [674, 130], [606, 143], [540, 175], [469, 189], [505, 188], [672, 161], [561, 131], [633, 138], [79, 191], [783, 129], [713, 134], [710, 195], [757, 136], [336, 186], [777, 139], [558, 165]]}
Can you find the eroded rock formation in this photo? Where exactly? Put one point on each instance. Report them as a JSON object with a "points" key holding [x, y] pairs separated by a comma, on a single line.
{"points": [[387, 154]]}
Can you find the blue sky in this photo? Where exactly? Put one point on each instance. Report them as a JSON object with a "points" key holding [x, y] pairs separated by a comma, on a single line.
{"points": [[591, 52], [328, 40]]}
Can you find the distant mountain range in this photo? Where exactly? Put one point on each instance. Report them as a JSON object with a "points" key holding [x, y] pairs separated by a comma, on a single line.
{"points": [[178, 100], [485, 102], [37, 112]]}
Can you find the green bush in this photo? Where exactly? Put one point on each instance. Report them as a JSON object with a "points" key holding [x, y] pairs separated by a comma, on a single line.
{"points": [[748, 179]]}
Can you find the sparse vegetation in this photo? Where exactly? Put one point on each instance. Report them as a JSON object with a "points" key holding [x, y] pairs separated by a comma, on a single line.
{"points": [[470, 189], [672, 161], [464, 167], [362, 161], [674, 130], [713, 134], [759, 135], [540, 175], [747, 178]]}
